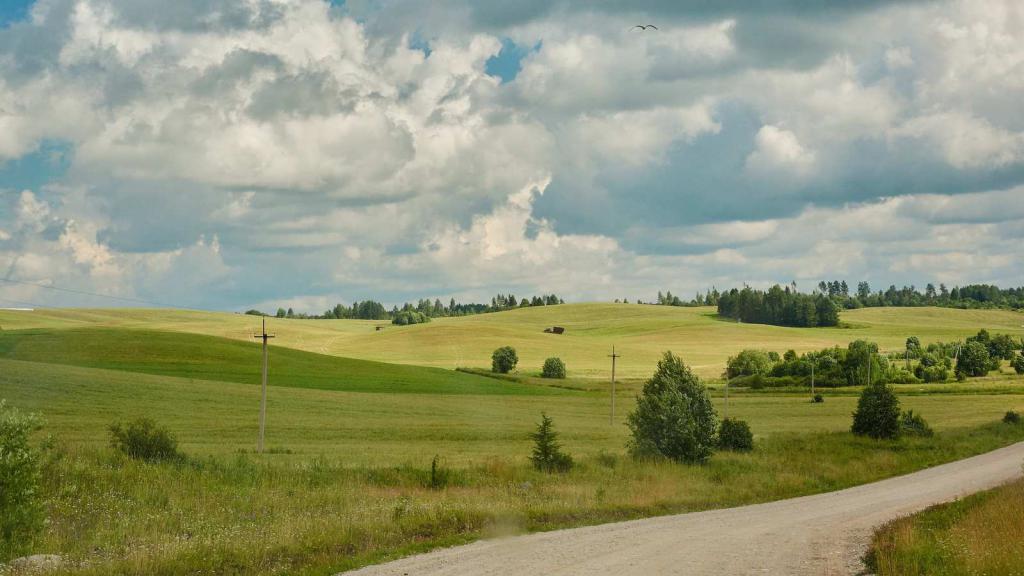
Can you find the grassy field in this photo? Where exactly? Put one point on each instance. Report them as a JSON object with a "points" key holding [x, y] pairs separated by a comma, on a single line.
{"points": [[980, 534], [639, 332], [210, 358], [350, 441], [372, 429], [345, 479]]}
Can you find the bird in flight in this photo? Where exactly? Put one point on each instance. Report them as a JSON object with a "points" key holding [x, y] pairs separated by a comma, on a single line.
{"points": [[644, 27]]}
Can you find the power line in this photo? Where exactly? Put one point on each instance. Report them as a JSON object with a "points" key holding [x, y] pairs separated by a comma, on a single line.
{"points": [[98, 295], [22, 302]]}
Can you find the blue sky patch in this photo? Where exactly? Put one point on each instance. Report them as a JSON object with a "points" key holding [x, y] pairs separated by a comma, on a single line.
{"points": [[30, 172], [14, 11], [507, 63]]}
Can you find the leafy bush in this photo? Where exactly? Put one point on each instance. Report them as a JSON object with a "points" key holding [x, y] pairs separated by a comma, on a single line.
{"points": [[901, 376], [143, 439], [749, 363], [547, 452], [756, 382], [878, 413], [674, 417], [21, 508], [1011, 417], [931, 369], [1018, 363], [504, 360], [914, 425], [818, 399], [553, 368], [735, 435]]}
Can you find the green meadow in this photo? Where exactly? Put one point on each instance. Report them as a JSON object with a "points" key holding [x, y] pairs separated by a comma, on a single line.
{"points": [[346, 476], [640, 333]]}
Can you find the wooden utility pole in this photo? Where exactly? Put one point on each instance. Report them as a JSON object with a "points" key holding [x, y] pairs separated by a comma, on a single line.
{"points": [[263, 399], [728, 378], [813, 362], [614, 356]]}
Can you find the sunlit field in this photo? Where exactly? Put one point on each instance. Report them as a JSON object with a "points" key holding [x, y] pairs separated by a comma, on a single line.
{"points": [[640, 333], [981, 534]]}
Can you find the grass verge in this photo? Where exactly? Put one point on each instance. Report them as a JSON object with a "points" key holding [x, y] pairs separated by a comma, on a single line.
{"points": [[980, 534]]}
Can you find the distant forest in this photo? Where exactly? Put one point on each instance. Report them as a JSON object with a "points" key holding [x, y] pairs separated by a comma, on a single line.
{"points": [[422, 311], [779, 305], [785, 306]]}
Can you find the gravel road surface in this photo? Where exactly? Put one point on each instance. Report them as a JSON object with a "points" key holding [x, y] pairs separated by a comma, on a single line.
{"points": [[821, 534]]}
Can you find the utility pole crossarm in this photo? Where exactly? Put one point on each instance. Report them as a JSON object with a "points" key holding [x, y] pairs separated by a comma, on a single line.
{"points": [[614, 357]]}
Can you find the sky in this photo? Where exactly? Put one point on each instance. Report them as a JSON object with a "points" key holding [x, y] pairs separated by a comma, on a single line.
{"points": [[229, 154]]}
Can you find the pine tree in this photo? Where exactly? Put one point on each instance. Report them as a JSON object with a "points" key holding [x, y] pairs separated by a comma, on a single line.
{"points": [[547, 451]]}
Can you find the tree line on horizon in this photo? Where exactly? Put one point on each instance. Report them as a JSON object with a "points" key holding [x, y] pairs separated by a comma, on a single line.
{"points": [[969, 296], [413, 313], [786, 306]]}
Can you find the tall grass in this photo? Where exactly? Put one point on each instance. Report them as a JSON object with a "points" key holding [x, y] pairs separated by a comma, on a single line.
{"points": [[981, 534], [242, 514]]}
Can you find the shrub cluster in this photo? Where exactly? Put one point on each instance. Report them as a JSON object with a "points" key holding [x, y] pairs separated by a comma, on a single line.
{"points": [[21, 507], [143, 439], [818, 399], [914, 425], [504, 360], [407, 317], [553, 368], [1011, 417], [735, 435]]}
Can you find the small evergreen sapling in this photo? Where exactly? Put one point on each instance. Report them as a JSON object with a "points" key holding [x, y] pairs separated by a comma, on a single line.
{"points": [[547, 451], [878, 413]]}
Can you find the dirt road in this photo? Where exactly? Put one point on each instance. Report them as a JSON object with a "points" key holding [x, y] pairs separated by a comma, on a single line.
{"points": [[821, 534]]}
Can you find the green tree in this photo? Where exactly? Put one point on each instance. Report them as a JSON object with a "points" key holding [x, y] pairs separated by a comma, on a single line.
{"points": [[878, 413], [862, 359], [280, 313], [547, 451], [504, 360], [749, 363], [21, 506], [913, 346], [1001, 347], [674, 417], [974, 359], [553, 368], [1018, 363]]}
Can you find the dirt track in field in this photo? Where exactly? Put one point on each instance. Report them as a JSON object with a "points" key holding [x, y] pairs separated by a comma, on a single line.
{"points": [[820, 534]]}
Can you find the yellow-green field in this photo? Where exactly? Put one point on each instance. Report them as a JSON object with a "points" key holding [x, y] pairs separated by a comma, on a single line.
{"points": [[386, 429], [345, 480], [640, 333]]}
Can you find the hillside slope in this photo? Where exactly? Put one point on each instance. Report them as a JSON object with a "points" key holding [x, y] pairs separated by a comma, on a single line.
{"points": [[211, 358], [640, 333]]}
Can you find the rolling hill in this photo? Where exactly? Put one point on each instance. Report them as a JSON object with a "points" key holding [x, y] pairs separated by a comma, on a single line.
{"points": [[640, 333]]}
